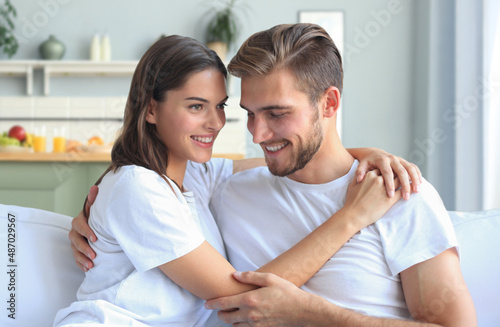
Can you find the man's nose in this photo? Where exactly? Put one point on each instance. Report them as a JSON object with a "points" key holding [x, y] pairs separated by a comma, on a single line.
{"points": [[260, 130]]}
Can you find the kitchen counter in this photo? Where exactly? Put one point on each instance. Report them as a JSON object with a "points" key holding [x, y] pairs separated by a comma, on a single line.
{"points": [[55, 157], [76, 157]]}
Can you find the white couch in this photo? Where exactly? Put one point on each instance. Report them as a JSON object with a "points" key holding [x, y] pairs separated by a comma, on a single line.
{"points": [[46, 278]]}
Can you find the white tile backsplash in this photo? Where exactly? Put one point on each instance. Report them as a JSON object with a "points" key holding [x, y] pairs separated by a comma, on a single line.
{"points": [[87, 107], [17, 107], [51, 107], [115, 107]]}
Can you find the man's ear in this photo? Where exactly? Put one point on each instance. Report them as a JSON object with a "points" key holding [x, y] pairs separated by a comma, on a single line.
{"points": [[332, 101], [152, 112]]}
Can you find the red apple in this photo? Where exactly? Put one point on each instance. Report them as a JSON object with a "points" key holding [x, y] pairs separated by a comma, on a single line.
{"points": [[17, 132]]}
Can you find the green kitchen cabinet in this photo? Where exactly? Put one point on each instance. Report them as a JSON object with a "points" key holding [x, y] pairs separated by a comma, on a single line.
{"points": [[54, 186]]}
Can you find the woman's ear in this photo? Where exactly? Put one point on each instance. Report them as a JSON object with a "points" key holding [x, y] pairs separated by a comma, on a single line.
{"points": [[152, 112], [332, 101]]}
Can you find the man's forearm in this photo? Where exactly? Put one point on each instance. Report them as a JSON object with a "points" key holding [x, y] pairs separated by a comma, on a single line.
{"points": [[323, 313], [280, 303]]}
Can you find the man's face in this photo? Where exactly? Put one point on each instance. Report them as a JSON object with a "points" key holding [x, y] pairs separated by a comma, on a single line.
{"points": [[282, 120]]}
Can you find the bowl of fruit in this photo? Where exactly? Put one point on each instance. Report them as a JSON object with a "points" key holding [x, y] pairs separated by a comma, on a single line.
{"points": [[96, 144], [16, 140]]}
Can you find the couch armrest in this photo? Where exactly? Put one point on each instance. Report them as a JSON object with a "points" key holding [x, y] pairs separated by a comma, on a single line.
{"points": [[42, 277], [478, 234]]}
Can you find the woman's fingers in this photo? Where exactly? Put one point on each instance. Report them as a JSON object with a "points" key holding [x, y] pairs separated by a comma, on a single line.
{"points": [[361, 171]]}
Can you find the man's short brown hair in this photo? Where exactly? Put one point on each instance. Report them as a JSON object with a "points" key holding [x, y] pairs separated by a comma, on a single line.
{"points": [[306, 50]]}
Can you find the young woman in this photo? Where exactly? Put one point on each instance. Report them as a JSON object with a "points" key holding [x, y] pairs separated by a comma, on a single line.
{"points": [[159, 252]]}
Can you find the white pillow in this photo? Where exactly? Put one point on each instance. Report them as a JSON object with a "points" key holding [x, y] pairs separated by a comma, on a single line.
{"points": [[477, 234], [44, 275]]}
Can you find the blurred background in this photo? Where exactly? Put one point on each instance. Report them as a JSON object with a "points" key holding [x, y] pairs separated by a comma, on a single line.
{"points": [[421, 81]]}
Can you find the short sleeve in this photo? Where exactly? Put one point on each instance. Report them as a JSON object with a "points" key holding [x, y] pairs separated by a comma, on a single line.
{"points": [[416, 230], [204, 179], [149, 221]]}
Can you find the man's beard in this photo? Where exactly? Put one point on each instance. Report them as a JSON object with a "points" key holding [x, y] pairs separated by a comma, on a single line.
{"points": [[305, 151]]}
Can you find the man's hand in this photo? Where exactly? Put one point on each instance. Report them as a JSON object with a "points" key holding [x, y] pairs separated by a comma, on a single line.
{"points": [[390, 166], [277, 303], [280, 303], [81, 233]]}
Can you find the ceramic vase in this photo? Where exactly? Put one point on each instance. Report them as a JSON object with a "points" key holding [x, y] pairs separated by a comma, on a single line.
{"points": [[52, 49]]}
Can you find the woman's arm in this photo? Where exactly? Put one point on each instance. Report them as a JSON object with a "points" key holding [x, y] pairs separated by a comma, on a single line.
{"points": [[205, 273], [366, 202], [369, 159], [244, 164]]}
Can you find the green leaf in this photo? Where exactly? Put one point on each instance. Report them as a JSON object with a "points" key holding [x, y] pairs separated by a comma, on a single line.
{"points": [[8, 40]]}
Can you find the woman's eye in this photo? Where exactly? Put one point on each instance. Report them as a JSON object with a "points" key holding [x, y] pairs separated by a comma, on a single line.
{"points": [[196, 107], [222, 105]]}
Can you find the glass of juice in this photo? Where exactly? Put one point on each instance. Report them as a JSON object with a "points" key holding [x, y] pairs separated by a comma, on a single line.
{"points": [[39, 139], [59, 140]]}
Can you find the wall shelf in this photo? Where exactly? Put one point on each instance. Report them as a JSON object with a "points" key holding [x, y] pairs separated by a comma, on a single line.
{"points": [[52, 68], [19, 68]]}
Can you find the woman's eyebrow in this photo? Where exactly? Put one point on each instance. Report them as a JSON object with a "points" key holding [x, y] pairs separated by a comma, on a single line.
{"points": [[224, 100], [197, 99]]}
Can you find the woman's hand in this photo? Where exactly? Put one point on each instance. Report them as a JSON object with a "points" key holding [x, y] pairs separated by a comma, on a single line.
{"points": [[389, 165], [367, 201], [81, 233]]}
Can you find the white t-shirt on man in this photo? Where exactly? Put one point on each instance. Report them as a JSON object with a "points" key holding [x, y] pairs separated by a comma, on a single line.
{"points": [[142, 222], [260, 216]]}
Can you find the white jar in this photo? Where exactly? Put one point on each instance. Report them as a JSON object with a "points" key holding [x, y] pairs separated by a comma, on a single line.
{"points": [[105, 48], [95, 48]]}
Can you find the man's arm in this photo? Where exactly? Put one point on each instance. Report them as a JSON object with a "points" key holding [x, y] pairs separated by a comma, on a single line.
{"points": [[280, 303], [435, 291]]}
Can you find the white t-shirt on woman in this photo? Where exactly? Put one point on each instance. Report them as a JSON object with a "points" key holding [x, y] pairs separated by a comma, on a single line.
{"points": [[142, 222]]}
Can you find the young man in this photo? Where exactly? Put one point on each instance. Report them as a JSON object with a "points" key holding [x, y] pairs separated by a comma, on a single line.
{"points": [[402, 267]]}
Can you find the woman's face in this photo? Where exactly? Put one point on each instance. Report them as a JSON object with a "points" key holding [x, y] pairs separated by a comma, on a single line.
{"points": [[190, 118]]}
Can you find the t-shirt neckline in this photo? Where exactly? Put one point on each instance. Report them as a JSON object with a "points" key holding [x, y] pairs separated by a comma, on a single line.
{"points": [[347, 178]]}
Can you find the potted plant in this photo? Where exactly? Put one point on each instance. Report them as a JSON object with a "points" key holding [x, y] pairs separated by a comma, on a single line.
{"points": [[8, 40], [223, 29]]}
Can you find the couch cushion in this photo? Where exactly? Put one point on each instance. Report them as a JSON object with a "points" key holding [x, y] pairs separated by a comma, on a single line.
{"points": [[43, 276], [477, 234]]}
